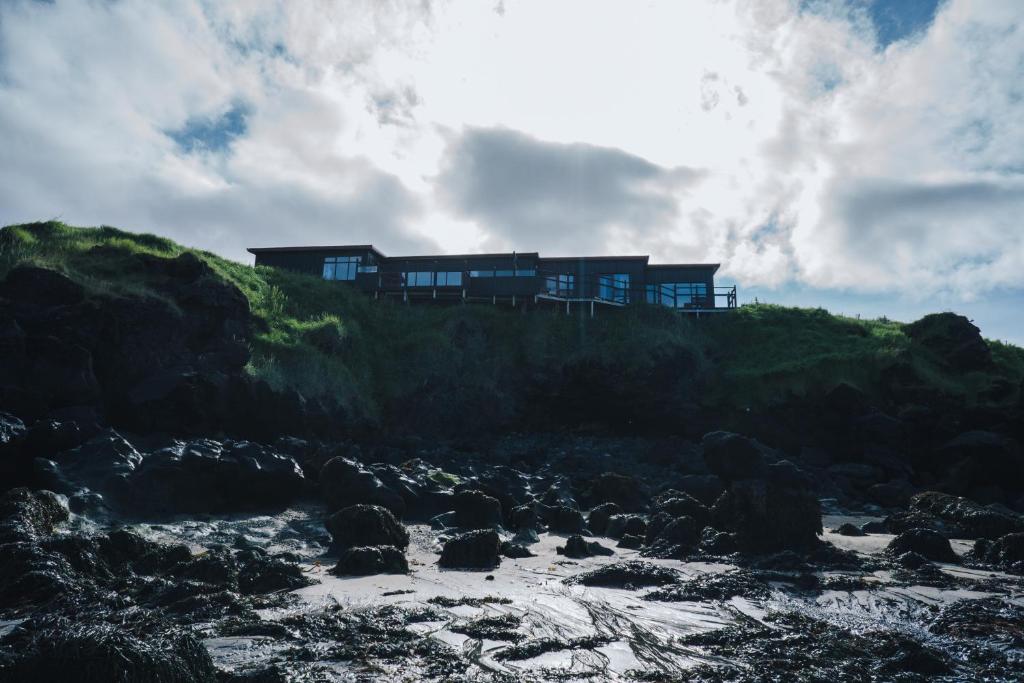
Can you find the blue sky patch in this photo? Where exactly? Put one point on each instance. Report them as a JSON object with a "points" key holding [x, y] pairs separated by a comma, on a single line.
{"points": [[212, 134], [892, 20]]}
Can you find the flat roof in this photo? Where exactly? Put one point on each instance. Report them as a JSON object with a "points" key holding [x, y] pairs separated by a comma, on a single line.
{"points": [[510, 254]]}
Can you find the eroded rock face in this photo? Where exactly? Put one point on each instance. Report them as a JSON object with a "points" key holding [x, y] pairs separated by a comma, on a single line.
{"points": [[965, 518], [473, 550], [366, 525]]}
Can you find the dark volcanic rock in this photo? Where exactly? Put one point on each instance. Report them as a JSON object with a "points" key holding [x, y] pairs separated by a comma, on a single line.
{"points": [[597, 520], [731, 456], [344, 482], [930, 544], [515, 550], [630, 542], [676, 539], [476, 510], [472, 550], [577, 547], [630, 575], [848, 529], [366, 525], [965, 518], [1005, 553], [27, 515], [562, 519], [207, 476], [765, 517], [366, 561]]}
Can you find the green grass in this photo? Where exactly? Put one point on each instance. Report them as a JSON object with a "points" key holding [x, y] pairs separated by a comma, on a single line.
{"points": [[373, 357]]}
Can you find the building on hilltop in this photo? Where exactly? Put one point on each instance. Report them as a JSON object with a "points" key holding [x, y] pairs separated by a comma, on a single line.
{"points": [[513, 278]]}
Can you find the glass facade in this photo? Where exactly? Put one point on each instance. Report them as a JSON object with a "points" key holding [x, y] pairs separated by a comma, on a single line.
{"points": [[678, 294], [341, 267], [563, 284], [614, 287], [423, 278], [449, 278]]}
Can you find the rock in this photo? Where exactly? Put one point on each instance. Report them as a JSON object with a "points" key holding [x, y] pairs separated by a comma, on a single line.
{"points": [[577, 547], [926, 542], [978, 463], [618, 525], [625, 491], [713, 586], [680, 504], [54, 648], [524, 517], [208, 476], [259, 574], [473, 550], [732, 457], [366, 525], [27, 516], [953, 339], [768, 518], [343, 482], [891, 494], [1006, 553], [964, 517], [716, 542], [677, 538], [43, 287], [630, 542], [562, 519], [366, 561], [476, 510], [597, 520], [847, 529], [911, 560], [515, 550], [631, 575], [11, 429]]}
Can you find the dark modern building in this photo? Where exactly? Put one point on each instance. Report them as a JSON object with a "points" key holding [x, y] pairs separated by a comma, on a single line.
{"points": [[516, 278]]}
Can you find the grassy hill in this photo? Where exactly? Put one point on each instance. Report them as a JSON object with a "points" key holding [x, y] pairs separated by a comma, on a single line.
{"points": [[374, 357]]}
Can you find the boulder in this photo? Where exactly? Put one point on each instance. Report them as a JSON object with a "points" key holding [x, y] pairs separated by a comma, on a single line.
{"points": [[733, 457], [525, 517], [577, 547], [766, 517], [680, 504], [209, 476], [476, 510], [704, 487], [562, 519], [597, 520], [716, 542], [27, 516], [473, 550], [1006, 553], [515, 550], [630, 542], [848, 529], [928, 543], [631, 575], [344, 482], [369, 560], [965, 518], [366, 525]]}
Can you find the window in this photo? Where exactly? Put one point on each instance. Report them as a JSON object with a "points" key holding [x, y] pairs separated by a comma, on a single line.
{"points": [[449, 279], [341, 267], [367, 269], [678, 294], [481, 273], [563, 284], [419, 279], [525, 272], [504, 273], [614, 287]]}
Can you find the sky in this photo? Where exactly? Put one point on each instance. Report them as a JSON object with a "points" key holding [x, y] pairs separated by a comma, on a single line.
{"points": [[865, 156]]}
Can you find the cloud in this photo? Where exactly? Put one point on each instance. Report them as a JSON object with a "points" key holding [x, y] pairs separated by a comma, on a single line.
{"points": [[562, 197]]}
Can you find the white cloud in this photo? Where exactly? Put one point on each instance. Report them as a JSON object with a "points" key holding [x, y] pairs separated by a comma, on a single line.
{"points": [[824, 157]]}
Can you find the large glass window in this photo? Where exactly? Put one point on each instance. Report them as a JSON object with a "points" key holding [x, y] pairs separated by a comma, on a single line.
{"points": [[449, 279], [341, 267], [525, 272], [504, 273], [614, 287], [678, 294], [563, 284], [481, 273], [419, 279]]}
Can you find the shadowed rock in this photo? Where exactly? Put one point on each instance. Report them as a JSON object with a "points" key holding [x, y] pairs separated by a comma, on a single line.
{"points": [[473, 550], [476, 510], [366, 525], [927, 543], [366, 561]]}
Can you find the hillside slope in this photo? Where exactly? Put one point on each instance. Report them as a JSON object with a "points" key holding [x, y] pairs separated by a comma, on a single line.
{"points": [[449, 369]]}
